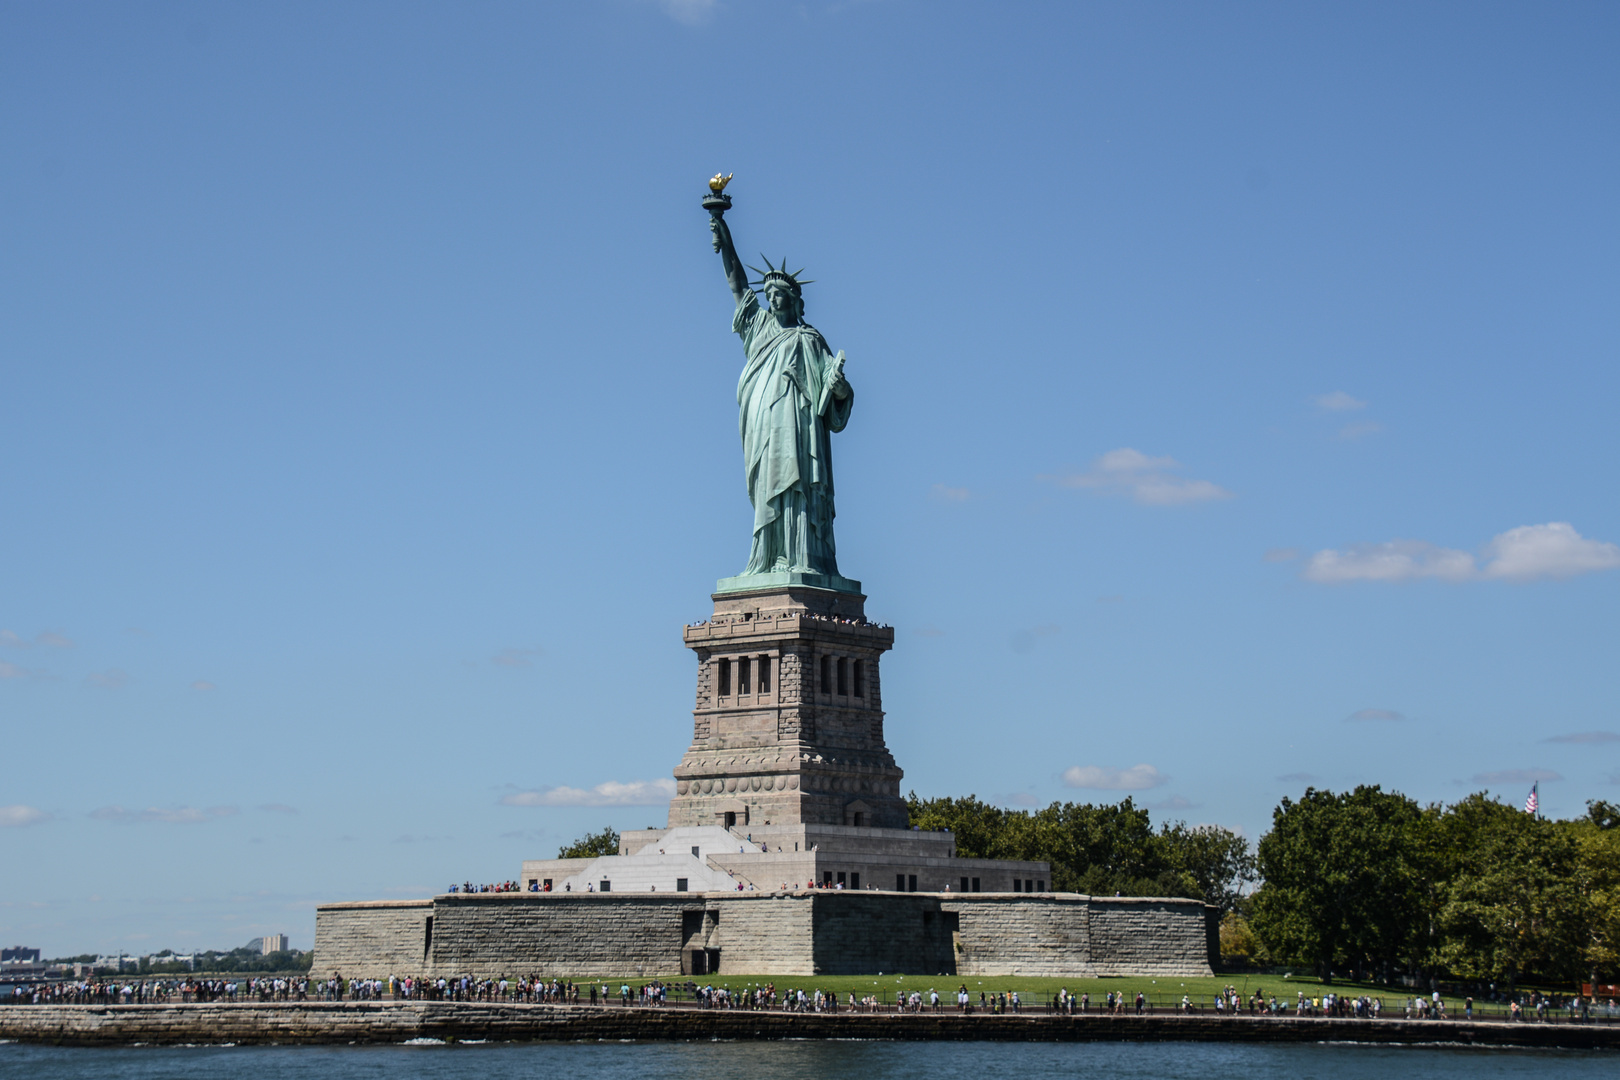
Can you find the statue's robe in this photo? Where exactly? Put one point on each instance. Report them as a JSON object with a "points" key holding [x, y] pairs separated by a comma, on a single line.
{"points": [[786, 414]]}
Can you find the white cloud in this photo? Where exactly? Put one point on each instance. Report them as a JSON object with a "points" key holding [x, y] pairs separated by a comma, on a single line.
{"points": [[690, 12], [1339, 401], [10, 639], [610, 793], [1135, 778], [18, 815], [1147, 480], [1393, 560], [1361, 716], [169, 815], [1554, 550], [1586, 737], [9, 670], [1516, 776]]}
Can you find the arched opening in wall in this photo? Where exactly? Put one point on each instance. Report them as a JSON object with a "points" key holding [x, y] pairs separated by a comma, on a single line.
{"points": [[731, 819], [858, 813], [427, 938], [860, 678], [723, 677]]}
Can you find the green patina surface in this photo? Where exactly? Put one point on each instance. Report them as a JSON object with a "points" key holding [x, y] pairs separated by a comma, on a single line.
{"points": [[784, 578], [792, 397]]}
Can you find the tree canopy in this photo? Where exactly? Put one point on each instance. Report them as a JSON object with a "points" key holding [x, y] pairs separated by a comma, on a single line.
{"points": [[592, 845], [1364, 883], [1098, 849], [1368, 883]]}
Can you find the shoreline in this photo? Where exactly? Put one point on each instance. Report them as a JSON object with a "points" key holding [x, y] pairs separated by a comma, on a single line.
{"points": [[381, 1022]]}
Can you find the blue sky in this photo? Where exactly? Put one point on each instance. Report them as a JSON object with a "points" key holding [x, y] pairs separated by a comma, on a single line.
{"points": [[1235, 412]]}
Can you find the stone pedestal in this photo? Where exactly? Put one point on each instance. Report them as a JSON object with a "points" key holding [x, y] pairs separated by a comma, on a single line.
{"points": [[788, 727]]}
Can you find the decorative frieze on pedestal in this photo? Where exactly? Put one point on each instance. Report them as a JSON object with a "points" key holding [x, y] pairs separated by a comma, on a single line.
{"points": [[788, 727]]}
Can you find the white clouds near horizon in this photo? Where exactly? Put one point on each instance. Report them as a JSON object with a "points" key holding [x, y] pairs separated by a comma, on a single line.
{"points": [[18, 815], [609, 793], [1516, 776], [111, 679], [1149, 481], [1103, 778], [690, 12], [10, 639], [1361, 716], [1339, 401], [168, 815], [1527, 553]]}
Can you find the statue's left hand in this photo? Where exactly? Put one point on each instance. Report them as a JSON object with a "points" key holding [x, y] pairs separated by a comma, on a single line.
{"points": [[840, 386]]}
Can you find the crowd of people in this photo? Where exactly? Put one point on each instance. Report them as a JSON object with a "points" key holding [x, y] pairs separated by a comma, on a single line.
{"points": [[103, 991], [499, 886], [538, 990], [749, 617]]}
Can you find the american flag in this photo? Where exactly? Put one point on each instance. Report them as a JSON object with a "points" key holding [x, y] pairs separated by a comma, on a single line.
{"points": [[1531, 803]]}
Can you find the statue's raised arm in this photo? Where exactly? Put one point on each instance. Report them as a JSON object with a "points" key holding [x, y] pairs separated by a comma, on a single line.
{"points": [[736, 273]]}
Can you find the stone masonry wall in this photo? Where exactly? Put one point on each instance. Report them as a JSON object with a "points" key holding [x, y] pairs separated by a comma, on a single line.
{"points": [[396, 1022], [1014, 933], [800, 933], [560, 933], [862, 932], [760, 934], [1148, 936], [379, 938]]}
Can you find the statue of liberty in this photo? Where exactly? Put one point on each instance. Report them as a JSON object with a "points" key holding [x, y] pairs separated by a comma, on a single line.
{"points": [[791, 397]]}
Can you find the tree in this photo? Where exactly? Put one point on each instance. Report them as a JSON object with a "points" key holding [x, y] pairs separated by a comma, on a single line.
{"points": [[1603, 814], [1238, 943], [1598, 879], [1096, 849], [1513, 901], [592, 845], [1217, 861], [1340, 874]]}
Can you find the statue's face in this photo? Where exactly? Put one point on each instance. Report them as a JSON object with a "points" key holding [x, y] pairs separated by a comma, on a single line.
{"points": [[781, 300]]}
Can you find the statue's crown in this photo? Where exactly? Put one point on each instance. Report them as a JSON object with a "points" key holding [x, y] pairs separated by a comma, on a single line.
{"points": [[779, 275]]}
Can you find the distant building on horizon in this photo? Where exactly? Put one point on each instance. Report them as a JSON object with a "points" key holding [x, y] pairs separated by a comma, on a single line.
{"points": [[273, 943], [19, 954]]}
